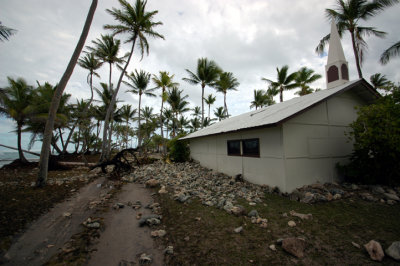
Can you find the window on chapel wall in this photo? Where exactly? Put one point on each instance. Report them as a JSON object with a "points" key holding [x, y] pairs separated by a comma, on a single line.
{"points": [[245, 147], [234, 148], [345, 72], [333, 74]]}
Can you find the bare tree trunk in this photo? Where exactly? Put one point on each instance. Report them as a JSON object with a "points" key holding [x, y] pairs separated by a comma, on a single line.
{"points": [[61, 139], [356, 55], [12, 148], [110, 109], [20, 153], [202, 105], [45, 153], [69, 138]]}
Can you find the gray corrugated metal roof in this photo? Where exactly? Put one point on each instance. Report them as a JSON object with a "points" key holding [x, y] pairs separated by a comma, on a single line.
{"points": [[273, 114]]}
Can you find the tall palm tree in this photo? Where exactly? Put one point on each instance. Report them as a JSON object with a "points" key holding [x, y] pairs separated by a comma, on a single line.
{"points": [[106, 49], [259, 99], [183, 123], [379, 81], [138, 82], [168, 116], [127, 113], [16, 101], [5, 32], [178, 104], [225, 83], [164, 81], [195, 124], [210, 100], [196, 111], [347, 15], [207, 73], [147, 113], [304, 77], [392, 51], [220, 113], [47, 135], [284, 81], [138, 24]]}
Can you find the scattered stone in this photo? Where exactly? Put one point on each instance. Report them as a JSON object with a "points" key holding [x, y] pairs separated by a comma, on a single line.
{"points": [[139, 215], [252, 203], [137, 205], [291, 223], [94, 225], [354, 187], [169, 250], [279, 241], [238, 230], [355, 244], [337, 196], [329, 196], [378, 189], [198, 218], [158, 233], [393, 250], [272, 247], [163, 190], [118, 205], [294, 246], [152, 183], [390, 202], [152, 219], [145, 259], [238, 210], [308, 198], [50, 246], [317, 186], [374, 250], [301, 215], [253, 213], [284, 214], [187, 238], [390, 196], [67, 214]]}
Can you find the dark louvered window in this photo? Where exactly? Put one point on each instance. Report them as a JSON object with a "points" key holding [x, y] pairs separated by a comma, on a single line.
{"points": [[251, 147], [234, 147]]}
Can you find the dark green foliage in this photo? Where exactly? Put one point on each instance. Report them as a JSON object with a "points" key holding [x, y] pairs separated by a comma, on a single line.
{"points": [[179, 149], [376, 135]]}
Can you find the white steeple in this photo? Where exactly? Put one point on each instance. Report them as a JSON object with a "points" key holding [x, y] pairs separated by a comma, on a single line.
{"points": [[336, 69]]}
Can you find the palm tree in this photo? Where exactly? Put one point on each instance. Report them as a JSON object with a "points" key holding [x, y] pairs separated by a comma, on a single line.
{"points": [[16, 101], [178, 104], [347, 15], [207, 73], [226, 82], [392, 51], [379, 81], [168, 116], [196, 111], [127, 114], [304, 77], [138, 24], [195, 124], [284, 81], [208, 122], [259, 99], [106, 49], [138, 82], [47, 135], [164, 81], [147, 113], [220, 113], [5, 32], [183, 123], [210, 100]]}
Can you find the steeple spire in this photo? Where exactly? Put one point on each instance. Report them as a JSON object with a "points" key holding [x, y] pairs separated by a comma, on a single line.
{"points": [[337, 70]]}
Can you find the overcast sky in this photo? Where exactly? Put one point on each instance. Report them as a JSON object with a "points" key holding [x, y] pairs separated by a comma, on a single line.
{"points": [[247, 37]]}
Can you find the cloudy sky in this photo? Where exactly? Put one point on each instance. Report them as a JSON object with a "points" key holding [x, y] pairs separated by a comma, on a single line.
{"points": [[247, 37]]}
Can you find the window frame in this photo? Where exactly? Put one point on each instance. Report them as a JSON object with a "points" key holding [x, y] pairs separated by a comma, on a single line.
{"points": [[242, 153], [240, 147]]}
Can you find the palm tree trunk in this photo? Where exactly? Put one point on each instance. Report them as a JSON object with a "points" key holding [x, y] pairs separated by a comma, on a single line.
{"points": [[356, 54], [20, 153], [110, 109], [45, 152], [69, 138], [139, 135], [161, 123], [61, 139], [226, 107], [281, 93], [209, 107], [202, 105]]}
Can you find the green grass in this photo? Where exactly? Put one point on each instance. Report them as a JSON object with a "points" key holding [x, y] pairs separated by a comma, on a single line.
{"points": [[328, 235]]}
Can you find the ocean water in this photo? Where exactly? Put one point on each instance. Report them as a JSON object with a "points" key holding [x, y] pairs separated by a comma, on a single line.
{"points": [[7, 157]]}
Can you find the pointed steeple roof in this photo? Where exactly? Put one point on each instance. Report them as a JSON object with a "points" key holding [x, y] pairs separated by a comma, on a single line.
{"points": [[336, 69], [335, 46]]}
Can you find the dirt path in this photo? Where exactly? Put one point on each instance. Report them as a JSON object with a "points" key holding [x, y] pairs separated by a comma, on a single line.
{"points": [[123, 240]]}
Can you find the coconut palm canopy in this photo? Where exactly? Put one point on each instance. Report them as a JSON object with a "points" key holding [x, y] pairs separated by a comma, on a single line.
{"points": [[233, 35]]}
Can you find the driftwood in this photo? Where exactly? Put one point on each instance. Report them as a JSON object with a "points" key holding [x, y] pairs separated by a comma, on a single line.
{"points": [[13, 148], [121, 164]]}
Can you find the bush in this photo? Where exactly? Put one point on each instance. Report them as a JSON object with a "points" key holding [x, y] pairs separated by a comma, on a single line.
{"points": [[179, 149], [376, 135]]}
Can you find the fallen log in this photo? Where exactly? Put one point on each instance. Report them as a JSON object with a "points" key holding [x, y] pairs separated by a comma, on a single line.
{"points": [[121, 164], [13, 148]]}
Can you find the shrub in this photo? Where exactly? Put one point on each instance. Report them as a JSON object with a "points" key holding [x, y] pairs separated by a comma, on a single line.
{"points": [[179, 149], [376, 135]]}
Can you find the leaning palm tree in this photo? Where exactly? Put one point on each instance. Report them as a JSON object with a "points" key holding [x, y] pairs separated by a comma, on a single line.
{"points": [[220, 113], [392, 51], [47, 135], [347, 15], [164, 81], [5, 32], [207, 73], [304, 77], [379, 81], [127, 114], [225, 83], [106, 49], [138, 83], [284, 81], [210, 100], [16, 101]]}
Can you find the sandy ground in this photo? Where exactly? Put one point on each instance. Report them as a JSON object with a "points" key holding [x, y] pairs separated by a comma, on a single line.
{"points": [[122, 239]]}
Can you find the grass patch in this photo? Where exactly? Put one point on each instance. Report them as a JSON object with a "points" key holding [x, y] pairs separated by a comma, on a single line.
{"points": [[328, 235]]}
